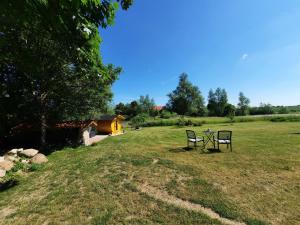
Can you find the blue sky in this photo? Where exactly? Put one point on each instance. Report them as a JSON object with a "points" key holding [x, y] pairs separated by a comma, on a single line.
{"points": [[251, 46]]}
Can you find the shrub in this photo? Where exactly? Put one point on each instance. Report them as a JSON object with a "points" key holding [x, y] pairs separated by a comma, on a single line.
{"points": [[34, 167], [285, 119], [181, 122], [138, 120], [167, 114]]}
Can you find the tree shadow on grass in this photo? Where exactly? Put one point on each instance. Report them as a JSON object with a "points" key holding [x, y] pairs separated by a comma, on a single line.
{"points": [[212, 151], [296, 133], [8, 184], [182, 149], [200, 149]]}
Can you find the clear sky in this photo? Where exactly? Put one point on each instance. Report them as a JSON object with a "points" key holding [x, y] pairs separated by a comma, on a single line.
{"points": [[240, 45]]}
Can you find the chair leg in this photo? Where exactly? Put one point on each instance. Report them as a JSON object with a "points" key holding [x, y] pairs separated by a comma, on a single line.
{"points": [[230, 147]]}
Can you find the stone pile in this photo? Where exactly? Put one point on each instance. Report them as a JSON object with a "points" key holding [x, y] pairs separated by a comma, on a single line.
{"points": [[30, 155]]}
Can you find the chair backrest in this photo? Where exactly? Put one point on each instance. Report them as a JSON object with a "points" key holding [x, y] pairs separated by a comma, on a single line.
{"points": [[190, 134], [224, 135]]}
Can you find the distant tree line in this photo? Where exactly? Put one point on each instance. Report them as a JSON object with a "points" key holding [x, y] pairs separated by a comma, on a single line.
{"points": [[187, 100]]}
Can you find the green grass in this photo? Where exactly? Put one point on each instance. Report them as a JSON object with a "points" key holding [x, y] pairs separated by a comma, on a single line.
{"points": [[257, 183]]}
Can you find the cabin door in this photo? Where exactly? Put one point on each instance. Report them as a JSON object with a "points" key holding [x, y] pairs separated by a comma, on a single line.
{"points": [[116, 125]]}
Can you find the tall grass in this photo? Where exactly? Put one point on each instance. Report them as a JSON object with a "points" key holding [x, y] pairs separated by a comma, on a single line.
{"points": [[199, 121]]}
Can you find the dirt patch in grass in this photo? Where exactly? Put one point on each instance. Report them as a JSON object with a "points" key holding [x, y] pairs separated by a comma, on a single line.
{"points": [[165, 197], [6, 212]]}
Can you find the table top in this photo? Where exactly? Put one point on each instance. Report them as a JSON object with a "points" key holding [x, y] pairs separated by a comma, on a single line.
{"points": [[209, 132]]}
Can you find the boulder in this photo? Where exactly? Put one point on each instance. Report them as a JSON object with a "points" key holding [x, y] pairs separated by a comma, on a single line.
{"points": [[6, 165], [2, 172], [29, 153], [39, 159], [11, 158], [14, 151]]}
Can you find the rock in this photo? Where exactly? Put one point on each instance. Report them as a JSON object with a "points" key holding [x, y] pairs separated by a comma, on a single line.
{"points": [[1, 158], [2, 172], [6, 165], [29, 153], [39, 159], [11, 158], [25, 161], [15, 151]]}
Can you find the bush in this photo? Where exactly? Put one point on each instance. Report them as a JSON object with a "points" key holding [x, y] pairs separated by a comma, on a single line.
{"points": [[34, 167], [286, 119], [138, 120], [167, 114], [263, 109], [181, 122], [283, 110]]}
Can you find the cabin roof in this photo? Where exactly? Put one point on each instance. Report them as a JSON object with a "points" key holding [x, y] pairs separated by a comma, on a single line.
{"points": [[76, 124], [111, 117]]}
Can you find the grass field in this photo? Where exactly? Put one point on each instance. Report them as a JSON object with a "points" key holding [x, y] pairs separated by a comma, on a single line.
{"points": [[258, 183]]}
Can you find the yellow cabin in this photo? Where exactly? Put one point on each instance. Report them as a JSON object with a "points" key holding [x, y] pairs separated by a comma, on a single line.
{"points": [[110, 124]]}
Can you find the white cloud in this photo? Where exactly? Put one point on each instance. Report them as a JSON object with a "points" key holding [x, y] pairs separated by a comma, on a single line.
{"points": [[244, 56]]}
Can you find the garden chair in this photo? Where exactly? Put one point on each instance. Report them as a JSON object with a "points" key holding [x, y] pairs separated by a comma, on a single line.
{"points": [[191, 137], [224, 137]]}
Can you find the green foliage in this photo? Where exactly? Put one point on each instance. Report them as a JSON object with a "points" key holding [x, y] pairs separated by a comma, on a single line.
{"points": [[146, 105], [285, 119], [173, 122], [165, 114], [282, 110], [52, 69], [34, 167], [229, 111], [243, 105], [138, 120], [217, 102], [20, 166], [186, 99], [263, 109], [11, 179], [255, 222]]}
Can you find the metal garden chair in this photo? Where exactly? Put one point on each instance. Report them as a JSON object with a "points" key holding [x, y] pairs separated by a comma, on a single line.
{"points": [[224, 137], [191, 137]]}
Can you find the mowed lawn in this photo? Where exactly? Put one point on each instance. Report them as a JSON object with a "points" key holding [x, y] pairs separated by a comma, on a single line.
{"points": [[257, 183]]}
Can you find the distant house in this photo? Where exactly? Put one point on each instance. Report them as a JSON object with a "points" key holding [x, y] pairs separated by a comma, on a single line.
{"points": [[110, 124], [158, 107]]}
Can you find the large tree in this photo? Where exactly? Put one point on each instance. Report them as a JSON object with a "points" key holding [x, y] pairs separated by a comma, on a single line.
{"points": [[243, 105], [146, 104], [186, 99], [50, 66], [217, 102]]}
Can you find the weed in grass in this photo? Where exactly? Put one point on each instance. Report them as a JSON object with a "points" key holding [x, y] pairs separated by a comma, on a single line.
{"points": [[129, 186], [19, 166], [102, 219], [255, 222], [34, 167]]}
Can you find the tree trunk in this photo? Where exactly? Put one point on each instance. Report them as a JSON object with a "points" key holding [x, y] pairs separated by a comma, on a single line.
{"points": [[43, 120], [43, 130]]}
